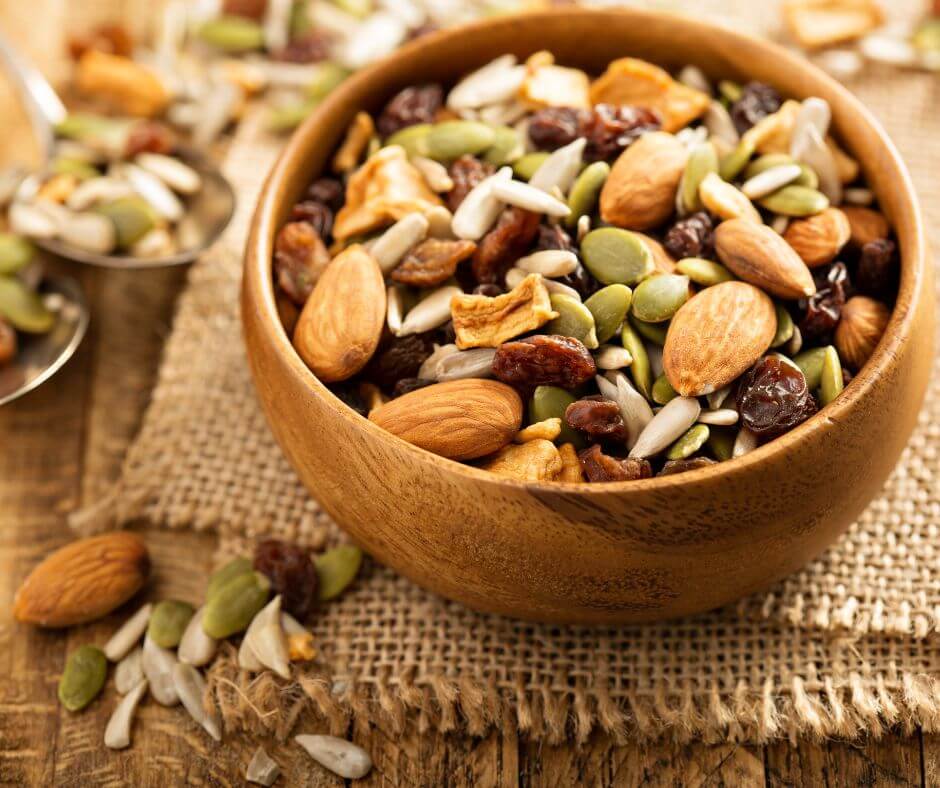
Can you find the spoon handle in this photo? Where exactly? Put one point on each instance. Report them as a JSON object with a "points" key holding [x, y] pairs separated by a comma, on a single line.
{"points": [[45, 108]]}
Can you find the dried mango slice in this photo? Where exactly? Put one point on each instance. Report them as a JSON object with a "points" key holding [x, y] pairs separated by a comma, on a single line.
{"points": [[548, 85], [820, 23]]}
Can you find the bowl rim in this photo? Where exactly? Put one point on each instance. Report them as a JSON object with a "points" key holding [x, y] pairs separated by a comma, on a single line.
{"points": [[913, 250]]}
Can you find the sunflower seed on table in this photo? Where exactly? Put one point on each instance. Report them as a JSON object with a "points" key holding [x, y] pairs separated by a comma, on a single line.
{"points": [[474, 363], [31, 221], [667, 426], [434, 173], [117, 734], [549, 262], [262, 769], [840, 63], [428, 369], [720, 418], [480, 208], [266, 639], [128, 635], [196, 647], [341, 757], [889, 49], [191, 686], [431, 312], [247, 660], [609, 357], [154, 191], [129, 672], [528, 197], [495, 83], [158, 664], [392, 245], [215, 113], [745, 441], [635, 410], [561, 168], [770, 180], [178, 176]]}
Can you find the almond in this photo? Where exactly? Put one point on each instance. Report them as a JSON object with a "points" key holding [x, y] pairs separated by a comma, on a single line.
{"points": [[460, 419], [640, 191], [818, 239], [83, 581], [757, 254], [861, 325], [866, 225], [717, 335], [341, 323]]}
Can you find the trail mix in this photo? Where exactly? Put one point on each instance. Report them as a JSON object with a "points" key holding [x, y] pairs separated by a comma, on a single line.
{"points": [[560, 277]]}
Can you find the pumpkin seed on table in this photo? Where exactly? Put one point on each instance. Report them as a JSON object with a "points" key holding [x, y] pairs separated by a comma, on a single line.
{"points": [[23, 308], [831, 381], [232, 608], [168, 622], [651, 332], [705, 273], [609, 306], [720, 442], [83, 678], [640, 369], [336, 569], [797, 201], [659, 297], [414, 139], [663, 391], [586, 190], [229, 571], [455, 138], [784, 326], [507, 146], [690, 442], [574, 320], [526, 166], [810, 363], [702, 160], [551, 402], [616, 256], [15, 253]]}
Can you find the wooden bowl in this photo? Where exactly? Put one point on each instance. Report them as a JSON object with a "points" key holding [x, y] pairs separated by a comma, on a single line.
{"points": [[604, 553]]}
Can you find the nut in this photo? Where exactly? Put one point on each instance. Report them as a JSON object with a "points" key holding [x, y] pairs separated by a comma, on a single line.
{"points": [[128, 86], [83, 581], [548, 430], [860, 328], [818, 239], [358, 134], [725, 200], [865, 224], [533, 461], [480, 321]]}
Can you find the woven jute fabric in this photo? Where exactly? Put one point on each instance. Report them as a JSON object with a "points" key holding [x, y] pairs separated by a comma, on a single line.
{"points": [[846, 646]]}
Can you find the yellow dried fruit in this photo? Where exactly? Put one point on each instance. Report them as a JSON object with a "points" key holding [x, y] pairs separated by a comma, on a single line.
{"points": [[119, 81], [358, 134], [548, 85], [772, 134], [570, 464], [533, 461], [821, 23], [548, 430], [481, 321]]}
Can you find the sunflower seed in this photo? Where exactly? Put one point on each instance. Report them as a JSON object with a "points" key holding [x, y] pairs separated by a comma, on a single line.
{"points": [[117, 735], [266, 639], [338, 755], [155, 243], [196, 647], [889, 49], [262, 769], [428, 370], [694, 77], [154, 191], [129, 672], [191, 686], [671, 422], [89, 231], [744, 442], [812, 150], [719, 124], [549, 262], [480, 208], [654, 353], [770, 180], [130, 632], [505, 114], [215, 113], [719, 418], [495, 83], [277, 24], [612, 357], [393, 315], [717, 398], [528, 197], [475, 363], [434, 173], [553, 286], [377, 36], [31, 221], [634, 409], [247, 660], [560, 168], [840, 63], [431, 312], [795, 345], [158, 666], [584, 227], [439, 223], [178, 176], [389, 248], [858, 196], [692, 137], [780, 223], [96, 190]]}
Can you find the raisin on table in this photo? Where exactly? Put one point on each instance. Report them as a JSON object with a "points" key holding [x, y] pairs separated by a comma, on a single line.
{"points": [[598, 418], [544, 360], [600, 467], [757, 101], [773, 398], [291, 572], [409, 107]]}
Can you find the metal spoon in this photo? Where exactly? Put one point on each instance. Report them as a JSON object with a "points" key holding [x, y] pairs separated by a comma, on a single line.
{"points": [[208, 212]]}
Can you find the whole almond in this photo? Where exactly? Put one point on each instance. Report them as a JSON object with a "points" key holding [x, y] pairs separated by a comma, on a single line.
{"points": [[818, 239], [341, 323], [861, 325], [757, 254], [717, 335], [640, 191], [460, 419], [83, 581], [866, 225]]}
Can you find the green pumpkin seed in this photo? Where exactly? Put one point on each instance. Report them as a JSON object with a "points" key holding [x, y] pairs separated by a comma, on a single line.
{"points": [[80, 169], [168, 622], [232, 34], [784, 326], [454, 138], [810, 363], [732, 163], [325, 77], [831, 382], [15, 253], [658, 298], [770, 160], [506, 148], [796, 201], [414, 139], [651, 332], [663, 390], [526, 166], [729, 91], [220, 577], [689, 443], [80, 126], [357, 8], [234, 605], [721, 442], [574, 320], [702, 160], [609, 305], [83, 677], [582, 199], [133, 218], [551, 402], [616, 256], [24, 308], [704, 272], [290, 116], [640, 369], [336, 569]]}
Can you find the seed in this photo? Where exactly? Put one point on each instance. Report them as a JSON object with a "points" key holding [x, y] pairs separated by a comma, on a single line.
{"points": [[528, 197], [609, 306], [795, 200], [117, 735], [431, 312], [551, 402], [574, 320], [717, 120], [428, 369], [191, 686], [128, 635], [336, 569], [395, 307], [549, 262], [232, 34], [690, 442], [414, 139], [673, 420], [338, 755], [299, 640], [265, 639], [858, 196], [705, 273], [455, 138], [231, 570], [526, 166], [640, 369], [392, 245], [23, 308], [439, 222], [770, 180], [796, 342], [731, 165], [158, 666], [474, 363], [831, 381], [586, 190], [154, 191], [659, 297], [506, 148], [83, 677], [233, 607], [560, 169], [89, 231], [129, 672], [634, 409], [809, 148], [746, 441], [31, 221], [717, 398], [551, 285], [434, 173], [496, 82], [132, 217], [702, 161], [168, 622], [247, 659], [730, 91], [612, 357], [616, 256], [663, 391], [651, 332], [721, 442], [784, 326], [480, 208], [262, 770], [810, 363], [720, 418], [15, 253], [196, 647]]}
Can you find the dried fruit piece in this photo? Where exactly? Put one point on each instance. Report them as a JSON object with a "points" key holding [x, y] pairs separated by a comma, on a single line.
{"points": [[756, 102], [544, 360], [598, 418], [866, 225], [822, 23], [409, 107], [877, 271], [532, 461], [821, 311], [131, 88], [466, 172], [513, 234], [401, 358], [300, 257], [291, 572], [691, 237], [354, 144], [773, 398], [818, 239], [548, 430], [600, 467], [554, 127], [610, 128], [480, 321], [862, 323], [432, 262], [83, 677]]}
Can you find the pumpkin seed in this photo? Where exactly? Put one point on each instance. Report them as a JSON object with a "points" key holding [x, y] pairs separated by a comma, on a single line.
{"points": [[651, 332], [724, 417], [133, 218], [811, 364], [784, 326], [640, 369], [231, 570], [831, 381], [232, 34], [609, 306], [659, 297], [718, 121], [506, 148], [117, 735], [634, 409], [663, 391], [336, 569], [585, 192], [63, 165], [702, 160], [574, 320], [667, 426], [704, 272], [338, 755], [168, 622], [693, 440], [454, 138], [289, 116], [191, 687], [526, 166], [796, 201], [720, 442], [196, 647], [262, 769], [612, 357], [414, 139], [560, 169], [158, 666], [551, 402], [771, 160], [729, 91], [83, 677], [127, 636], [129, 672], [233, 607], [324, 78], [616, 256], [15, 253], [23, 308], [732, 164]]}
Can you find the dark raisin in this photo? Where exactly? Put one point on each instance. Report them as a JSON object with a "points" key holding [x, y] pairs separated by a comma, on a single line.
{"points": [[432, 262], [509, 240], [407, 385], [553, 127], [291, 572], [329, 191], [409, 107], [821, 311], [7, 342], [299, 258], [348, 394], [466, 172], [757, 101], [877, 271], [316, 214], [610, 129], [311, 47], [445, 335], [488, 290], [544, 360], [692, 236], [598, 418], [401, 358], [688, 464], [773, 398], [600, 467], [149, 136]]}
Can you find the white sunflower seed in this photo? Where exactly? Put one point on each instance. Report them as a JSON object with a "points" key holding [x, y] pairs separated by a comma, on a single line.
{"points": [[612, 357], [434, 173], [719, 418], [503, 114], [338, 755], [277, 24], [692, 137], [718, 121], [154, 191], [475, 363], [89, 231], [554, 286], [262, 769], [128, 635], [247, 659], [196, 647], [389, 248], [815, 112], [841, 63], [744, 442], [717, 398], [178, 176], [780, 223], [156, 243], [480, 208], [266, 639], [634, 409], [858, 196], [811, 149], [770, 180], [584, 227], [524, 196], [560, 169], [428, 370], [117, 735], [158, 664], [694, 77], [191, 686], [430, 312], [291, 625], [31, 221], [495, 83], [514, 276], [549, 262], [216, 110], [330, 18], [395, 308], [795, 345], [129, 672], [96, 190], [439, 223], [672, 421], [411, 13], [376, 36]]}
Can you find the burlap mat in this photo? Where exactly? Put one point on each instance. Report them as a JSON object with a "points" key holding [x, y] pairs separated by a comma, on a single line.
{"points": [[846, 646]]}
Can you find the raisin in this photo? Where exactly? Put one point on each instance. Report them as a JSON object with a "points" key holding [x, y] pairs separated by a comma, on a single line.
{"points": [[316, 214], [466, 172], [553, 127], [877, 271], [692, 236], [287, 311], [687, 464], [348, 393], [409, 107], [329, 191], [509, 240], [250, 9], [407, 385], [299, 258], [610, 129], [291, 572], [488, 290], [773, 398], [400, 358], [600, 467], [544, 360], [7, 342], [432, 262], [149, 136], [822, 310], [757, 101], [598, 418], [445, 335], [311, 47]]}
